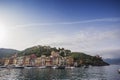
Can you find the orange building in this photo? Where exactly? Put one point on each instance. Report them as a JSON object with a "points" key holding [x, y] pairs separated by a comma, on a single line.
{"points": [[26, 61], [6, 62], [69, 61], [56, 58], [48, 61]]}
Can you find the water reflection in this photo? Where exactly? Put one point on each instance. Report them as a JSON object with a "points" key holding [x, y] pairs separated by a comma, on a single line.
{"points": [[46, 74], [91, 73]]}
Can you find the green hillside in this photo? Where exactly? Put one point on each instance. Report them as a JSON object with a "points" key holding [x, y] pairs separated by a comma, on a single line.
{"points": [[44, 50], [7, 52], [77, 56]]}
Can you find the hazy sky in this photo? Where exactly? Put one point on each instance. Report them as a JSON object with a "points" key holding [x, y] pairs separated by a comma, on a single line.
{"points": [[90, 26]]}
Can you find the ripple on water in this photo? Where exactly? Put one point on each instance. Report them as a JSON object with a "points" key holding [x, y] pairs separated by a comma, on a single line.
{"points": [[92, 73]]}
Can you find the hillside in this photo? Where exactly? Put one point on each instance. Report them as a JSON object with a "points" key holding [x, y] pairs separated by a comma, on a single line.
{"points": [[77, 56], [7, 52], [44, 50], [115, 61], [85, 59]]}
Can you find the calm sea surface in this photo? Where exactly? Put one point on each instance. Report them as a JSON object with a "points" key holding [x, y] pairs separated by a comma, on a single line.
{"points": [[91, 73]]}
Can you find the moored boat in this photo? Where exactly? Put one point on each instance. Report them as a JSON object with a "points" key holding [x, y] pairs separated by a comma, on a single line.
{"points": [[42, 67], [61, 67], [70, 67], [28, 67], [86, 66], [2, 66], [18, 67], [54, 67]]}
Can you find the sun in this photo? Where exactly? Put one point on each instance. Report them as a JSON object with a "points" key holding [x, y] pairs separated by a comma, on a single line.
{"points": [[2, 33]]}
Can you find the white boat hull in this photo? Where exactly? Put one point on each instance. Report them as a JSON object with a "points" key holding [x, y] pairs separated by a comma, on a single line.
{"points": [[42, 67]]}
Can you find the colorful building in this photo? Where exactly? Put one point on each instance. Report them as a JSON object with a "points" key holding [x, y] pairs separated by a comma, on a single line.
{"points": [[20, 60], [6, 62], [38, 61], [32, 60], [69, 61], [26, 61]]}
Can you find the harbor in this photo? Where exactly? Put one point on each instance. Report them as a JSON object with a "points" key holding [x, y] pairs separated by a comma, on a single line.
{"points": [[54, 61], [81, 73]]}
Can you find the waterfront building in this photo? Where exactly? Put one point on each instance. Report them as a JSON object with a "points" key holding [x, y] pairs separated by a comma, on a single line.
{"points": [[32, 59], [20, 60], [48, 61], [43, 60], [26, 61], [56, 58], [14, 61], [38, 61], [6, 62], [11, 61], [69, 61]]}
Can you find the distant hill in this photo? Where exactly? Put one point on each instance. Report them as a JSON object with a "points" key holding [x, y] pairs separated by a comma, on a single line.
{"points": [[7, 52], [113, 61]]}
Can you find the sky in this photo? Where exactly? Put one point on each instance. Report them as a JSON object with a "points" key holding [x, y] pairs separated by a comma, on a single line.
{"points": [[90, 26]]}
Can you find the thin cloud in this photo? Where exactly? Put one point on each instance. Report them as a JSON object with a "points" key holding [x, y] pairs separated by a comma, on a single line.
{"points": [[84, 41], [75, 22]]}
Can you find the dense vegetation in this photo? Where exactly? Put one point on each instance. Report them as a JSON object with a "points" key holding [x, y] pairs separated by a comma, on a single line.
{"points": [[44, 50], [84, 59]]}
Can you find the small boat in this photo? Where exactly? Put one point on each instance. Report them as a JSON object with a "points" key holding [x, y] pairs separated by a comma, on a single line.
{"points": [[18, 67], [58, 67], [61, 67], [54, 67], [70, 67], [86, 66], [42, 67], [2, 66], [28, 67]]}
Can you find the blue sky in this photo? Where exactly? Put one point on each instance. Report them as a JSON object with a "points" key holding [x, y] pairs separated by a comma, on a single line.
{"points": [[90, 26]]}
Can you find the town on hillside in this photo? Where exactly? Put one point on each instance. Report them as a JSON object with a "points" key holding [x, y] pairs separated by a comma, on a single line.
{"points": [[56, 58], [32, 60]]}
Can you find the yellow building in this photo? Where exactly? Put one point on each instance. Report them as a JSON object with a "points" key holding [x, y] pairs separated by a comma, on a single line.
{"points": [[6, 62], [56, 58], [26, 61], [14, 61], [69, 61], [38, 61], [43, 60], [11, 61]]}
